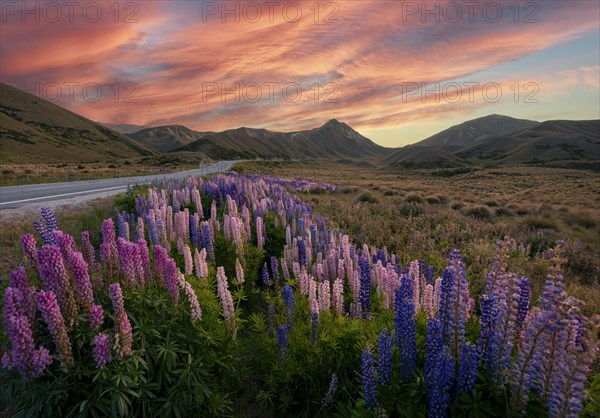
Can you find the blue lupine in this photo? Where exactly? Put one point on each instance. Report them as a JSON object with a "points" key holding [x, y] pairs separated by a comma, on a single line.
{"points": [[271, 319], [523, 309], [328, 399], [429, 274], [365, 285], [152, 231], [384, 366], [435, 343], [121, 226], [438, 398], [275, 271], [207, 242], [282, 342], [405, 329], [51, 222], [195, 231], [302, 253], [467, 369], [288, 301], [368, 379]]}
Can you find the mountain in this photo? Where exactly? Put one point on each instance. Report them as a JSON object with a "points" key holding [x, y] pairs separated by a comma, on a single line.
{"points": [[332, 140], [566, 142], [473, 131], [35, 130], [423, 157], [124, 128], [166, 138]]}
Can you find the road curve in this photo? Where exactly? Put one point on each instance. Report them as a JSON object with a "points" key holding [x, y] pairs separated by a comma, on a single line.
{"points": [[12, 197]]}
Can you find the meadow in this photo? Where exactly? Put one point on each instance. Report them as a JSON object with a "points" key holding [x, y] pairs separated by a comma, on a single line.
{"points": [[356, 292]]}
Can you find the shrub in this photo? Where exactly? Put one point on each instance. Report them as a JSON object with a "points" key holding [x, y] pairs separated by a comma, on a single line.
{"points": [[368, 198], [478, 212], [432, 200], [538, 222], [416, 198]]}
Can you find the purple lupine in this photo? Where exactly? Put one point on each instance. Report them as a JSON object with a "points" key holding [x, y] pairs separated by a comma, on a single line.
{"points": [[42, 230], [226, 301], [88, 251], [384, 365], [145, 260], [28, 245], [123, 334], [302, 253], [108, 231], [96, 316], [48, 306], [275, 272], [171, 279], [282, 342], [368, 379], [195, 311], [160, 259], [467, 369], [102, 350], [66, 242], [81, 277], [523, 303], [266, 280], [314, 321], [28, 361], [55, 278], [328, 399], [26, 305], [365, 285], [405, 329], [239, 271], [288, 301]]}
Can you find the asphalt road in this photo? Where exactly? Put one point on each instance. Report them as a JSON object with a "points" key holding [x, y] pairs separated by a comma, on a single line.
{"points": [[12, 197]]}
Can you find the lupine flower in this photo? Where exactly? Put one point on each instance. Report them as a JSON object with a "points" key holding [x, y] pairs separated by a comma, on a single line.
{"points": [[96, 316], [187, 259], [282, 342], [26, 298], [265, 275], [171, 279], [260, 239], [196, 312], [54, 276], [338, 296], [123, 334], [467, 369], [226, 301], [270, 319], [102, 350], [368, 379], [302, 253], [314, 322], [48, 306], [207, 241], [385, 357], [288, 301], [328, 399], [404, 330], [324, 296], [88, 251], [239, 271], [365, 285], [122, 227], [51, 222], [145, 259], [200, 262], [28, 245], [442, 377], [83, 285], [275, 271]]}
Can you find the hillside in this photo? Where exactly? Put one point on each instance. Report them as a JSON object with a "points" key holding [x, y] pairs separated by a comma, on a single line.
{"points": [[548, 142], [34, 130], [474, 131], [332, 140]]}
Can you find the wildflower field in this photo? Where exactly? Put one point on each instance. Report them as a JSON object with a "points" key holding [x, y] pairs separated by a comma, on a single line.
{"points": [[233, 296]]}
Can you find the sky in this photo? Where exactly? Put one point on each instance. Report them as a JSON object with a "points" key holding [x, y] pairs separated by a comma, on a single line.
{"points": [[395, 71]]}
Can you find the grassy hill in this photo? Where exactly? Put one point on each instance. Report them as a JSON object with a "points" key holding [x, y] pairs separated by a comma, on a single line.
{"points": [[35, 130]]}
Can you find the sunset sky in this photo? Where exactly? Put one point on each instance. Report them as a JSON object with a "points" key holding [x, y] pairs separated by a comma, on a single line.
{"points": [[220, 65]]}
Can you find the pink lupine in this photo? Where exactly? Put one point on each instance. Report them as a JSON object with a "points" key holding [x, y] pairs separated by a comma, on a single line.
{"points": [[55, 278], [169, 224], [239, 271], [28, 245], [48, 306], [226, 301], [160, 258], [200, 262], [107, 258], [428, 301], [145, 260], [187, 259], [324, 296], [140, 229], [260, 239], [303, 281], [123, 334], [338, 296], [195, 310], [312, 289], [83, 285]]}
